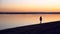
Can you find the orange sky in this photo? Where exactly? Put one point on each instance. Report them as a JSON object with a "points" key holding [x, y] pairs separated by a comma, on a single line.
{"points": [[30, 5]]}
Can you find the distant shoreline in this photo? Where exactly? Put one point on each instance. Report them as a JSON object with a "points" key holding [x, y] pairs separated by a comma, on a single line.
{"points": [[29, 12]]}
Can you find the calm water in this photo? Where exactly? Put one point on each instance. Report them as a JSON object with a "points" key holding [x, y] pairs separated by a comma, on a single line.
{"points": [[16, 20]]}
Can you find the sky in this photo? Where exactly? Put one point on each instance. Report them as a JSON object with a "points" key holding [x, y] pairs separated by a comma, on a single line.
{"points": [[29, 5]]}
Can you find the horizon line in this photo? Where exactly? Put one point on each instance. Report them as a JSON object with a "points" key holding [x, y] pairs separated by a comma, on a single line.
{"points": [[29, 12]]}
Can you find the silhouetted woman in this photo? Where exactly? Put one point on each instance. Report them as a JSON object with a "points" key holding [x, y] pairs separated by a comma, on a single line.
{"points": [[40, 19]]}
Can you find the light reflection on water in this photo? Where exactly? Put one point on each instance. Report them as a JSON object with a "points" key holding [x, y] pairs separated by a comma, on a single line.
{"points": [[15, 20]]}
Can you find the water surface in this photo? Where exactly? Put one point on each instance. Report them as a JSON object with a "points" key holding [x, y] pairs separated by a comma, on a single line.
{"points": [[16, 20]]}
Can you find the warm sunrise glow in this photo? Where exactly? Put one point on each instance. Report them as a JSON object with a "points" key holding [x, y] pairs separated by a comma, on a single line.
{"points": [[17, 20], [30, 5]]}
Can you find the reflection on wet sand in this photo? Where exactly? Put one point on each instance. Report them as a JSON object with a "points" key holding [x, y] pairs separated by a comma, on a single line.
{"points": [[15, 20]]}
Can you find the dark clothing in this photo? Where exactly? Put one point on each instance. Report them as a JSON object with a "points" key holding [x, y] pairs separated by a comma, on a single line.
{"points": [[40, 18]]}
